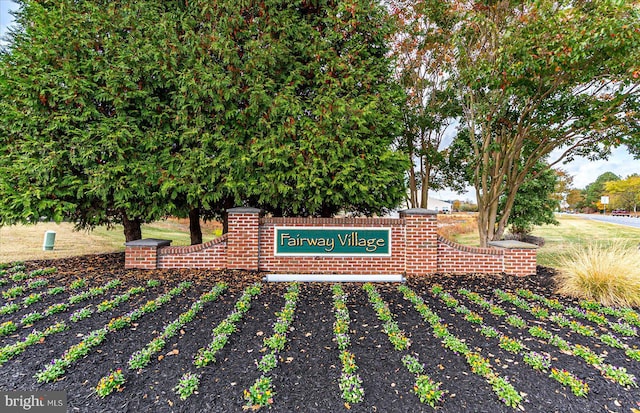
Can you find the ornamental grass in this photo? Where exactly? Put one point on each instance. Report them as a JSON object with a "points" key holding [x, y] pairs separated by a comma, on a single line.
{"points": [[609, 275]]}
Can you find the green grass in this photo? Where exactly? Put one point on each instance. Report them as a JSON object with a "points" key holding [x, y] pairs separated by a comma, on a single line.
{"points": [[573, 232], [24, 242]]}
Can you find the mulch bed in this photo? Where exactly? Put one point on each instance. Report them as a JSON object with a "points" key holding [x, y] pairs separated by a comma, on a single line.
{"points": [[307, 376]]}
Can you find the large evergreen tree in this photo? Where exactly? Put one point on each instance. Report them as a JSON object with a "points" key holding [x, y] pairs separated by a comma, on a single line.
{"points": [[83, 105], [124, 112], [311, 112]]}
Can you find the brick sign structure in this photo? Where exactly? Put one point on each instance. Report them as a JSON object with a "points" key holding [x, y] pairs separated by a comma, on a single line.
{"points": [[408, 245]]}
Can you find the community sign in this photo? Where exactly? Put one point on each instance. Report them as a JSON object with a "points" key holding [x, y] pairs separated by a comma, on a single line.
{"points": [[335, 241]]}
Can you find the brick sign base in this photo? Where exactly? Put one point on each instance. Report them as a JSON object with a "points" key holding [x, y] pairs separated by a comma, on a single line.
{"points": [[415, 249]]}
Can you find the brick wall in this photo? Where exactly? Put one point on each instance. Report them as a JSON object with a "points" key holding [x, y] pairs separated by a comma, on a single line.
{"points": [[461, 259], [141, 257], [415, 249], [212, 254]]}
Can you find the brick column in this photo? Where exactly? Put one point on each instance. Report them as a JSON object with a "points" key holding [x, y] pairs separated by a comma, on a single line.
{"points": [[421, 240], [243, 240], [143, 253], [519, 257]]}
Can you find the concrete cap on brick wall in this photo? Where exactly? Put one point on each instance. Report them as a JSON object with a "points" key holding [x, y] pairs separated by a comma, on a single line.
{"points": [[512, 244], [418, 211], [244, 210], [148, 242]]}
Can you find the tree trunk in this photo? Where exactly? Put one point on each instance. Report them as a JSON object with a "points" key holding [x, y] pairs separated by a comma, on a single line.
{"points": [[194, 226], [132, 228]]}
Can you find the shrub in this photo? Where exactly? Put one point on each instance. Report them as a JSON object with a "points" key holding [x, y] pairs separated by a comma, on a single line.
{"points": [[609, 275]]}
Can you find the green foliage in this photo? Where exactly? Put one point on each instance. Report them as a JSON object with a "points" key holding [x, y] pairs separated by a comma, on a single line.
{"points": [[534, 204], [531, 80], [128, 112]]}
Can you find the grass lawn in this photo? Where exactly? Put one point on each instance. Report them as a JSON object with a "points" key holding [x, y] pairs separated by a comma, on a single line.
{"points": [[24, 242], [572, 232]]}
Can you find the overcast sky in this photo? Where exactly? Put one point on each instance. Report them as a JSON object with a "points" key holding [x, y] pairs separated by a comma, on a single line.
{"points": [[583, 171]]}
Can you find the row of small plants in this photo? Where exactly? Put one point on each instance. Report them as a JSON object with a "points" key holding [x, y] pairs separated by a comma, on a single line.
{"points": [[32, 317], [189, 382], [627, 314], [261, 393], [537, 361], [350, 383], [11, 350], [20, 290], [478, 364], [618, 375], [141, 358], [16, 273], [10, 308], [577, 327], [425, 388], [58, 366], [595, 316], [596, 313]]}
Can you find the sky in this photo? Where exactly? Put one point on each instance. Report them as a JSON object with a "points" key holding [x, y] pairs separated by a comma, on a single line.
{"points": [[583, 171]]}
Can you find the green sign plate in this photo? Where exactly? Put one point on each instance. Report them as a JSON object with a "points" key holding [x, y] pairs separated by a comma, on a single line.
{"points": [[334, 241]]}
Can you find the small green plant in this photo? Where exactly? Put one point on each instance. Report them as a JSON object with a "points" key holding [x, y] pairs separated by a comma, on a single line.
{"points": [[539, 312], [505, 391], [619, 375], [587, 354], [479, 364], [427, 390], [276, 342], [260, 393], [188, 383], [489, 331], [77, 284], [31, 318], [473, 318], [559, 342], [19, 276], [577, 386], [611, 340], [497, 311], [268, 362], [7, 328], [13, 292], [153, 283], [412, 364], [539, 332], [81, 314], [624, 328], [510, 344], [516, 321], [9, 308], [108, 384], [351, 387], [540, 362], [582, 329], [55, 290], [32, 299]]}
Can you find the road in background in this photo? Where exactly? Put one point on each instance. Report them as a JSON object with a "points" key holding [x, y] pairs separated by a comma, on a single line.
{"points": [[627, 221]]}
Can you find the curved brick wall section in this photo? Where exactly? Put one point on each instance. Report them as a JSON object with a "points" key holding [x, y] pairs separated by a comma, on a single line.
{"points": [[212, 254], [454, 258], [461, 259]]}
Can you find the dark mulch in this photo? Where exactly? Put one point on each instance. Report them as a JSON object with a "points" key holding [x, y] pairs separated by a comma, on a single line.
{"points": [[306, 379]]}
